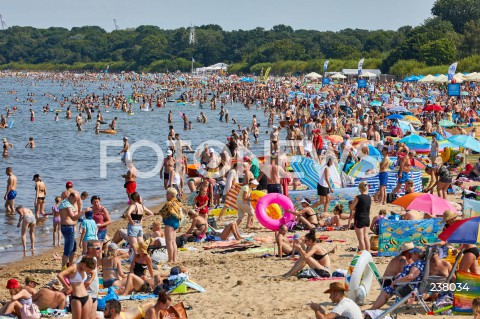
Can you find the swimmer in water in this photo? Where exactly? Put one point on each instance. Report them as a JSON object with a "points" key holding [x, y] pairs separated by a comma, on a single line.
{"points": [[31, 143], [6, 146]]}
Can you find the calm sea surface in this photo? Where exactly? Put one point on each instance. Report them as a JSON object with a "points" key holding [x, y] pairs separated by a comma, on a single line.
{"points": [[62, 153]]}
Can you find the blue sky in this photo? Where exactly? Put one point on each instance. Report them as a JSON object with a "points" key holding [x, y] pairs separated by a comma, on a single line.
{"points": [[320, 15]]}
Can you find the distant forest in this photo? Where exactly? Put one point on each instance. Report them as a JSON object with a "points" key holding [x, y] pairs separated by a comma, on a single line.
{"points": [[453, 34]]}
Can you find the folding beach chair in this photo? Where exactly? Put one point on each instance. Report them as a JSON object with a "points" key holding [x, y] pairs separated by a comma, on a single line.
{"points": [[380, 279], [424, 287]]}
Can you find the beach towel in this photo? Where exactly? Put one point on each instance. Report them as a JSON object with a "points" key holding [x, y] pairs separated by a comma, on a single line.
{"points": [[462, 299], [137, 297], [393, 233], [231, 198], [323, 279]]}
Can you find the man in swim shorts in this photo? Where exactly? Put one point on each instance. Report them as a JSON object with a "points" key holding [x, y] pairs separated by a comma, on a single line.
{"points": [[68, 216], [381, 195], [130, 183], [167, 168], [126, 154], [11, 192]]}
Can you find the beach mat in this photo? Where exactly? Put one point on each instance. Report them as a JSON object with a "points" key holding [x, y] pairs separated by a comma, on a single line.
{"points": [[393, 233], [471, 208], [339, 195]]}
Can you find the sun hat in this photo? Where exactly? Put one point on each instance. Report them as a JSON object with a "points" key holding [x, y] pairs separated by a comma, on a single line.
{"points": [[417, 250], [13, 284], [336, 286], [305, 200], [31, 279], [406, 246], [141, 247], [448, 215]]}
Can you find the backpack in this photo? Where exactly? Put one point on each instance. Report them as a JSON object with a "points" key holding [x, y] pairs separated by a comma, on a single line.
{"points": [[30, 312]]}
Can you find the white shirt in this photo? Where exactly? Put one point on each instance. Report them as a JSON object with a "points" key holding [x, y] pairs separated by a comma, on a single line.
{"points": [[348, 308]]}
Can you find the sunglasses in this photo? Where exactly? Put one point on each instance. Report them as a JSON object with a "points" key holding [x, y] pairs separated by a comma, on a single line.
{"points": [[95, 247]]}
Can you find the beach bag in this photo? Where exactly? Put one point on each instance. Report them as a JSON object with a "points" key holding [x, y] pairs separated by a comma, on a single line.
{"points": [[30, 312], [212, 222], [307, 273], [374, 243]]}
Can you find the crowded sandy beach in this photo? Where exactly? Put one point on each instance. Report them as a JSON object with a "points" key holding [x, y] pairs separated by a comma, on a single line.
{"points": [[330, 201]]}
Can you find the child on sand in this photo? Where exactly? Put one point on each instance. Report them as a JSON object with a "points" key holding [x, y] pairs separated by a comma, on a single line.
{"points": [[56, 220], [89, 230]]}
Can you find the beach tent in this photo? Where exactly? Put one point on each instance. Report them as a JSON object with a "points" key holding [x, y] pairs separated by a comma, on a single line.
{"points": [[441, 79], [338, 76], [368, 75], [427, 79], [406, 126], [472, 77], [313, 75]]}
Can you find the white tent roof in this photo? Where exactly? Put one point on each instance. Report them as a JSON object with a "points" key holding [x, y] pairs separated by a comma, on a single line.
{"points": [[313, 75], [442, 78], [472, 77], [427, 79], [367, 75], [355, 71], [338, 76]]}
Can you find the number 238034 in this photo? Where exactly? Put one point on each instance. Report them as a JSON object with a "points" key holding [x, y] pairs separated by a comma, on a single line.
{"points": [[442, 287]]}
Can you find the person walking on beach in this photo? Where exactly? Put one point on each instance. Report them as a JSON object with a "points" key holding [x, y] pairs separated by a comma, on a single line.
{"points": [[381, 195], [11, 192], [360, 213], [69, 214], [324, 187], [27, 221], [167, 168], [130, 183], [40, 194]]}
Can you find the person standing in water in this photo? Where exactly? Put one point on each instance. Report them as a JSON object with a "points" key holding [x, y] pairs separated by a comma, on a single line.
{"points": [[6, 146], [32, 115], [11, 192], [126, 154], [40, 194]]}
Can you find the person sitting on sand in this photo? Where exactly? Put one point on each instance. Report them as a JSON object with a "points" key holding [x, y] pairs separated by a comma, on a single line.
{"points": [[285, 248], [335, 219], [198, 228], [314, 256], [18, 298], [112, 267], [375, 224], [306, 216], [161, 308], [45, 297], [345, 308]]}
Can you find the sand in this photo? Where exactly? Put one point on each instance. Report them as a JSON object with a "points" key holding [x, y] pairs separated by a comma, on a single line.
{"points": [[238, 284]]}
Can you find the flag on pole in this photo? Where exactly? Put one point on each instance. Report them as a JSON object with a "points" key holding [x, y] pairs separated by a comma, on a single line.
{"points": [[360, 66], [325, 66], [451, 70], [108, 67], [193, 60]]}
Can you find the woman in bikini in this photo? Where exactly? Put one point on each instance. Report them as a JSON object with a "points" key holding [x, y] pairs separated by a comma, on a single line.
{"points": [[112, 268], [28, 222], [198, 228], [40, 193], [314, 256], [135, 213], [306, 216], [81, 302]]}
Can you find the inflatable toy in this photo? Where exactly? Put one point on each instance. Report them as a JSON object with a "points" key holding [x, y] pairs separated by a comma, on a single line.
{"points": [[359, 277], [261, 211], [273, 211]]}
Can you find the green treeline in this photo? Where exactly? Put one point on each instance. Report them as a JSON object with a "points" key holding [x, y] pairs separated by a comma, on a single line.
{"points": [[453, 34]]}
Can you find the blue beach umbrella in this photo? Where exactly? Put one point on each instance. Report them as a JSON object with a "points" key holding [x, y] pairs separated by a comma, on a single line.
{"points": [[360, 169], [395, 117], [414, 139], [375, 103], [465, 141], [446, 123]]}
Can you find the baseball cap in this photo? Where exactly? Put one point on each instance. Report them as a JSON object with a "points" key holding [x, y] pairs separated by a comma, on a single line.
{"points": [[69, 184], [35, 176], [254, 182], [212, 150], [125, 138], [306, 201], [169, 152], [112, 246], [246, 159]]}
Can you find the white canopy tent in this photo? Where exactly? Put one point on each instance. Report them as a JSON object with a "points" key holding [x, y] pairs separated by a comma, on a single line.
{"points": [[367, 75], [338, 76], [442, 78], [313, 75], [427, 79]]}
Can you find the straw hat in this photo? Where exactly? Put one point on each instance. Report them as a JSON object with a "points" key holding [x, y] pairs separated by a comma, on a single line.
{"points": [[448, 215], [336, 286], [406, 246], [141, 248], [31, 279]]}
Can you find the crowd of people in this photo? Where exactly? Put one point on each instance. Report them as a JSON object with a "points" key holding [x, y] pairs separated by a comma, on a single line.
{"points": [[307, 120]]}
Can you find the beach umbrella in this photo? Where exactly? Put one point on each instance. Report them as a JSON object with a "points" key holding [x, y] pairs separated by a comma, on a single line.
{"points": [[313, 75], [442, 78], [433, 107], [418, 163], [405, 200], [446, 123], [411, 119], [376, 103], [416, 100], [406, 126], [465, 231], [426, 79], [368, 75], [465, 141], [395, 117], [334, 138], [414, 139], [431, 204], [464, 93], [338, 76], [399, 109], [360, 169]]}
